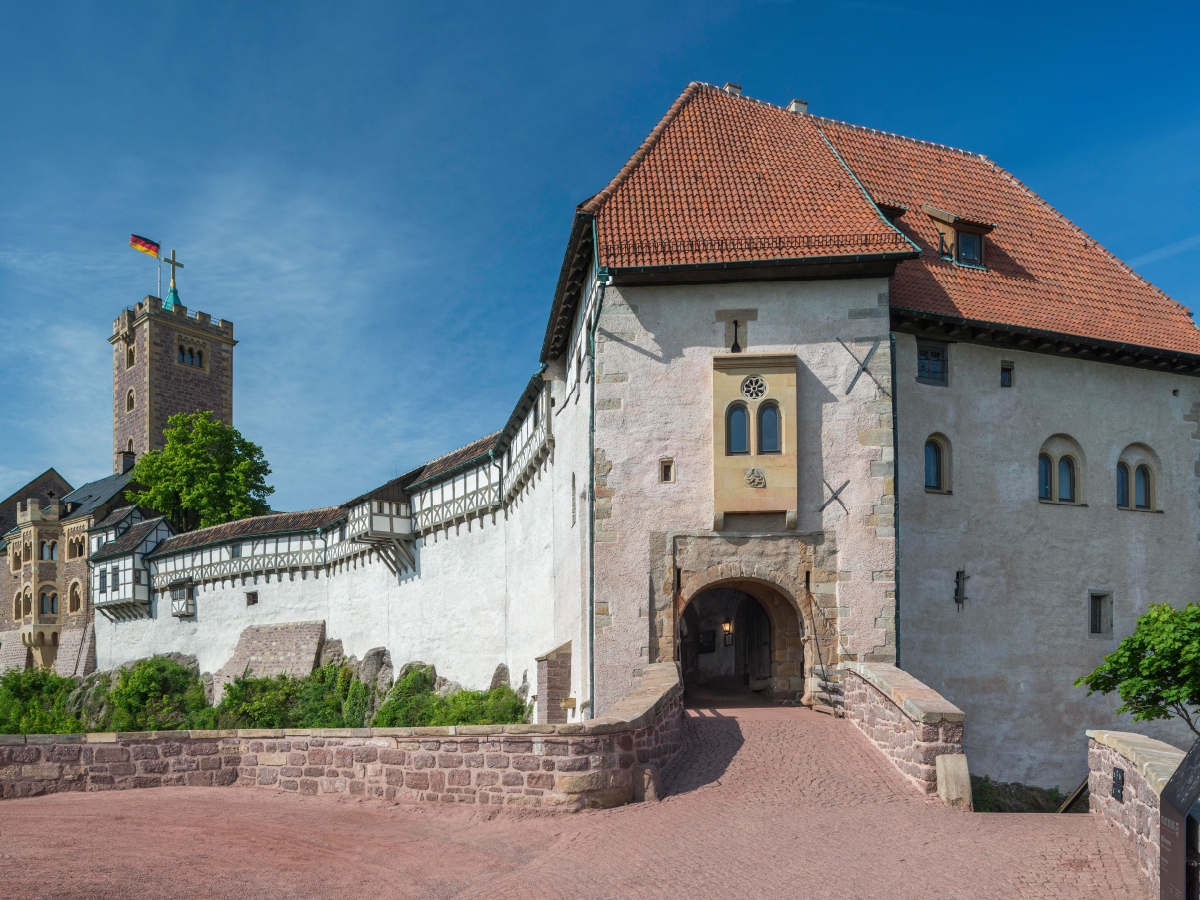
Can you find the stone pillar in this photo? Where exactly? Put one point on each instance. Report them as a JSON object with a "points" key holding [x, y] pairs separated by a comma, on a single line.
{"points": [[554, 685]]}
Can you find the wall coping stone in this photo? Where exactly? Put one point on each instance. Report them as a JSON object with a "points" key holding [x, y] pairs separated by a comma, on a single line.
{"points": [[101, 737], [1155, 760], [9, 740], [921, 702]]}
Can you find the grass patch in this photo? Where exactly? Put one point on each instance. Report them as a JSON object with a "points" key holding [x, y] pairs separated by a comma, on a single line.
{"points": [[1012, 796]]}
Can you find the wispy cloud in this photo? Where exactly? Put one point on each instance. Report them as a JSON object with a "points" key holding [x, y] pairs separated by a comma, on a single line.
{"points": [[1167, 251]]}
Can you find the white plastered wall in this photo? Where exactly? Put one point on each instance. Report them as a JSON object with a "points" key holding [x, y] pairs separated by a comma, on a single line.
{"points": [[1009, 656], [654, 393]]}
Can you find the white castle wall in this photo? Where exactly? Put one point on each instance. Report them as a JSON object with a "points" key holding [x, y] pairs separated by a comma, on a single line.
{"points": [[1008, 657], [483, 595]]}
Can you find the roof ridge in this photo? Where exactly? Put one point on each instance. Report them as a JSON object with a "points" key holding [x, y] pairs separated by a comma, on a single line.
{"points": [[598, 200], [1094, 244], [269, 515], [901, 137]]}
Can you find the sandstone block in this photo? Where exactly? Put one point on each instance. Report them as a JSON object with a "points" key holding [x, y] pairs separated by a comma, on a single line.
{"points": [[954, 781], [577, 784], [272, 759]]}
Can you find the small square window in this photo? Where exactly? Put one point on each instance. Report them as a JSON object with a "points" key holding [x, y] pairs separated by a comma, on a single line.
{"points": [[137, 576], [1006, 374], [1100, 616], [666, 471], [932, 363], [235, 551], [252, 598], [970, 248]]}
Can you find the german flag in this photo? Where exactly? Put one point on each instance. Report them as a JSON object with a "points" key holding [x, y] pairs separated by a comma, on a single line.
{"points": [[144, 244]]}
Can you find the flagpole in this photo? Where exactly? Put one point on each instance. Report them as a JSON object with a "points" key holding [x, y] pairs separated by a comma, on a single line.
{"points": [[159, 277]]}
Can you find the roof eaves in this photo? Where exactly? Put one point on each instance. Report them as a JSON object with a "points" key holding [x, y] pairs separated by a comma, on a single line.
{"points": [[528, 397], [447, 474], [1115, 346]]}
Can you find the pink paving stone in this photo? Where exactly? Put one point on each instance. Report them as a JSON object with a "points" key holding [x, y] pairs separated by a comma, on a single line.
{"points": [[763, 803]]}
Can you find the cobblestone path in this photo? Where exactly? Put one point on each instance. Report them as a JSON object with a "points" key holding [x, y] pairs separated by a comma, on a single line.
{"points": [[764, 803]]}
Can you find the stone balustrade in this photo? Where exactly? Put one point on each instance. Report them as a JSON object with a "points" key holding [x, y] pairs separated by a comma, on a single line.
{"points": [[912, 725], [598, 763], [1147, 765]]}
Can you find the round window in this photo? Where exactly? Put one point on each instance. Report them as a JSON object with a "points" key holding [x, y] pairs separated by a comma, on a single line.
{"points": [[754, 387]]}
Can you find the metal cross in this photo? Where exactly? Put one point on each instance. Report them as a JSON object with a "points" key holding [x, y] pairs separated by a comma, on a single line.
{"points": [[174, 265], [835, 496], [862, 366]]}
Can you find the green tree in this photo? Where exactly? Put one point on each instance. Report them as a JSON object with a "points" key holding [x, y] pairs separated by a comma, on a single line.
{"points": [[156, 694], [1156, 670], [207, 474], [34, 701]]}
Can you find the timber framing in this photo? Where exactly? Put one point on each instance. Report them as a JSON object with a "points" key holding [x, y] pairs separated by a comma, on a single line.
{"points": [[941, 327]]}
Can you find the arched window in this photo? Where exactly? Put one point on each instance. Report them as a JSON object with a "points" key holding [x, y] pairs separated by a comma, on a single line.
{"points": [[27, 604], [17, 606], [130, 357], [129, 401], [44, 605], [769, 440], [54, 550], [933, 466], [191, 357], [1141, 487], [200, 362], [1044, 469], [737, 430], [54, 604], [76, 600], [1122, 484], [182, 358], [129, 446], [1066, 480], [45, 550]]}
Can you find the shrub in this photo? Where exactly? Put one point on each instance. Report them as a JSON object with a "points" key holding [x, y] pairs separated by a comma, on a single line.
{"points": [[35, 701], [413, 702], [156, 694], [330, 697]]}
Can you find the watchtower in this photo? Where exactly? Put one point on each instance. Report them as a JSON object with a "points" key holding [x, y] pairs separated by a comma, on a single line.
{"points": [[166, 361]]}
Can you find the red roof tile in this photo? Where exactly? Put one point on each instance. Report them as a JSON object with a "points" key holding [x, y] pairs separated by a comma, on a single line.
{"points": [[728, 178], [1042, 272]]}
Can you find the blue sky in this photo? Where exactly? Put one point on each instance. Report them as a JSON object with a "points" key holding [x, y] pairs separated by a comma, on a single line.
{"points": [[379, 195]]}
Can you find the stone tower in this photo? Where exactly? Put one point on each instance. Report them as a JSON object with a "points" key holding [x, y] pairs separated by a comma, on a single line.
{"points": [[166, 361]]}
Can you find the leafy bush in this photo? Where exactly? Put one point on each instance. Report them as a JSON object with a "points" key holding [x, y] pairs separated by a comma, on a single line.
{"points": [[1156, 670], [159, 694], [331, 697], [35, 701], [413, 702], [156, 694]]}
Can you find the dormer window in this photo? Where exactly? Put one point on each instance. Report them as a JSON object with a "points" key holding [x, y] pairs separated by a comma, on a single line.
{"points": [[962, 242], [970, 248]]}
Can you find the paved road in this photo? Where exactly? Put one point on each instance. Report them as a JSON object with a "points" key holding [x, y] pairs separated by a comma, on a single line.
{"points": [[765, 803]]}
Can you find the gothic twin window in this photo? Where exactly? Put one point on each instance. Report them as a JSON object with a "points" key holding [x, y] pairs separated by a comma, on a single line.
{"points": [[1057, 483], [76, 600], [50, 550], [737, 430], [48, 604], [1141, 487], [129, 402]]}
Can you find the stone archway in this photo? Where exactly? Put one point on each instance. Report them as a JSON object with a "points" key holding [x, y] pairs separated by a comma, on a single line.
{"points": [[780, 574]]}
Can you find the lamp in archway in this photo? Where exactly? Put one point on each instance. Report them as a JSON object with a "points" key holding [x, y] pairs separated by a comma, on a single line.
{"points": [[727, 628]]}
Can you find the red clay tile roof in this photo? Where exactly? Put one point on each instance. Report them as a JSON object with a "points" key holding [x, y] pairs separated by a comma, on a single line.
{"points": [[1042, 272], [257, 526], [452, 460], [128, 542], [725, 178]]}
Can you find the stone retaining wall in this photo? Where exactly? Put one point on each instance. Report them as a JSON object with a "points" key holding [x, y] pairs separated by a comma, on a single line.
{"points": [[1148, 766], [591, 764], [910, 723]]}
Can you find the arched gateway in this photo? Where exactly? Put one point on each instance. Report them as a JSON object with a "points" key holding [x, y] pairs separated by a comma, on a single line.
{"points": [[739, 620]]}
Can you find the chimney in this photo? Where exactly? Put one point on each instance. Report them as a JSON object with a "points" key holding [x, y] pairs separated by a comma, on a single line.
{"points": [[798, 106], [127, 458], [731, 88]]}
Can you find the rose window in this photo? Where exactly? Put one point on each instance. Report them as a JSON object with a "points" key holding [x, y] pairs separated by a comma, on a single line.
{"points": [[753, 387]]}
